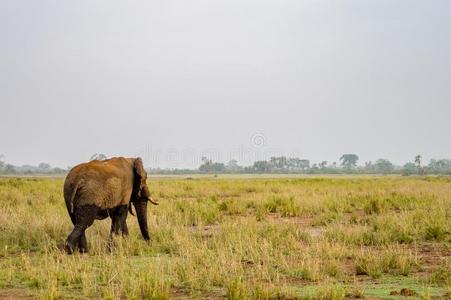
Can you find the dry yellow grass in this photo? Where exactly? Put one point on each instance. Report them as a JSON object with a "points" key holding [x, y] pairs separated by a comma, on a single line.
{"points": [[237, 238]]}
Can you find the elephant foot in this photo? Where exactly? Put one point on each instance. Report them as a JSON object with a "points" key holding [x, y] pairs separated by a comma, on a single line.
{"points": [[83, 250], [83, 244], [68, 248]]}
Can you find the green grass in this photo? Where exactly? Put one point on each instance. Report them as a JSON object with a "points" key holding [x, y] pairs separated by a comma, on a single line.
{"points": [[237, 238]]}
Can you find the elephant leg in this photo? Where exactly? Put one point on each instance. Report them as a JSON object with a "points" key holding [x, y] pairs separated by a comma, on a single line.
{"points": [[124, 228], [119, 216], [83, 244], [102, 214], [122, 216], [84, 217]]}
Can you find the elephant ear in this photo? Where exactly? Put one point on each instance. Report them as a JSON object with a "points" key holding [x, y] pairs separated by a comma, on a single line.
{"points": [[139, 169]]}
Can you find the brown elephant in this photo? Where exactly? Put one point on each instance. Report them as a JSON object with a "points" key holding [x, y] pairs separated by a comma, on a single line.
{"points": [[102, 188]]}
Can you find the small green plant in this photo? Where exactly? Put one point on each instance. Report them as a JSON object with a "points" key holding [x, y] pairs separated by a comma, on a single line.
{"points": [[369, 265], [286, 206], [331, 292], [442, 275], [236, 290], [375, 206]]}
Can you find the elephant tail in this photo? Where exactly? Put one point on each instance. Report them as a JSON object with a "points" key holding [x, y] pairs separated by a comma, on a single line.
{"points": [[72, 198]]}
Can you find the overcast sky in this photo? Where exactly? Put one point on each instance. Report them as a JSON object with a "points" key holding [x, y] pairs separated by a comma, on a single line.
{"points": [[174, 80]]}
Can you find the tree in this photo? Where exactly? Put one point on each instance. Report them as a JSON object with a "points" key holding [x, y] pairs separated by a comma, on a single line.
{"points": [[44, 167], [383, 166], [349, 161], [99, 156], [233, 167], [205, 167], [418, 163], [218, 168], [409, 168], [418, 160], [209, 167], [323, 164], [279, 163], [261, 166], [441, 165], [369, 167], [2, 163], [304, 164], [293, 164], [10, 169], [58, 171], [444, 164]]}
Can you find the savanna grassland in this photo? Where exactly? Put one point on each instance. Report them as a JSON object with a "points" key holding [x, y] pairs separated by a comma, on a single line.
{"points": [[238, 238]]}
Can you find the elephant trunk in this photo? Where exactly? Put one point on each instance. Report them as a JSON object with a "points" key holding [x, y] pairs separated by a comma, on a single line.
{"points": [[141, 214]]}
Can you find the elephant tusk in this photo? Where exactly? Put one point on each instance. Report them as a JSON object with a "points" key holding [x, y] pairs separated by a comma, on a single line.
{"points": [[130, 209], [153, 201]]}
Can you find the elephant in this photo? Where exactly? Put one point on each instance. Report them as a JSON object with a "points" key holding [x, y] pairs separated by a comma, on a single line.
{"points": [[102, 188]]}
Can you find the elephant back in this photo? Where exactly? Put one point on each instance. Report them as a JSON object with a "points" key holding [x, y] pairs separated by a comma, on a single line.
{"points": [[105, 184]]}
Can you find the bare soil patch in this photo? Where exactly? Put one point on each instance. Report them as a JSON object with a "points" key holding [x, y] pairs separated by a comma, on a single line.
{"points": [[304, 222], [14, 294], [403, 292], [431, 255]]}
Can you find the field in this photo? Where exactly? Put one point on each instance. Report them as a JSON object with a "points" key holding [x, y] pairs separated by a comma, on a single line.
{"points": [[238, 238]]}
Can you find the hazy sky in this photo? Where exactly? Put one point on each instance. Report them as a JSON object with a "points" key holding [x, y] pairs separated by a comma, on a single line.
{"points": [[174, 80]]}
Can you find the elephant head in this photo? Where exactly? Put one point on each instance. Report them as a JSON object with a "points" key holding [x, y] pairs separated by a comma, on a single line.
{"points": [[140, 196]]}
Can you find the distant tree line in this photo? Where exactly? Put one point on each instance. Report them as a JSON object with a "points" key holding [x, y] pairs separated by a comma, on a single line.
{"points": [[347, 164], [40, 169]]}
